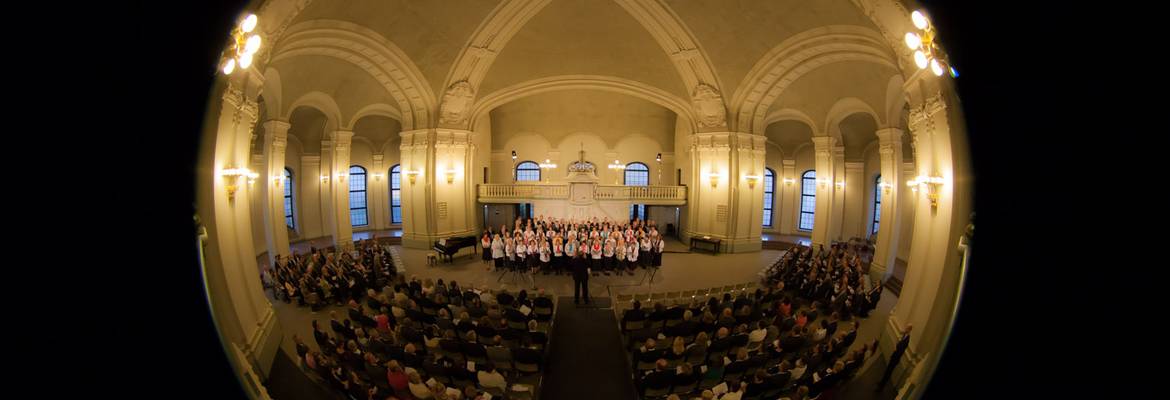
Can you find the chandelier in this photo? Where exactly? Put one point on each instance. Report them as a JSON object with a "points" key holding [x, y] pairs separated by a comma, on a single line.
{"points": [[243, 46], [927, 53]]}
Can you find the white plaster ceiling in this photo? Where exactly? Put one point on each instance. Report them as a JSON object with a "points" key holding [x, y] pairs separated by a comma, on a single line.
{"points": [[586, 37], [857, 131], [557, 115], [351, 87], [308, 125], [432, 33], [378, 129], [816, 92]]}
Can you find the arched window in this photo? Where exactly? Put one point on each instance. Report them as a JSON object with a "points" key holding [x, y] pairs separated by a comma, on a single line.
{"points": [[288, 200], [527, 171], [357, 196], [769, 194], [808, 200], [396, 194], [637, 174], [877, 203]]}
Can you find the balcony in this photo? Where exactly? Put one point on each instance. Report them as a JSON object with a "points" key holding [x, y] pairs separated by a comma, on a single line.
{"points": [[519, 193]]}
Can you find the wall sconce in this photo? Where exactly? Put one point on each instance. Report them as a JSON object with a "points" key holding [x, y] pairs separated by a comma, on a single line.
{"points": [[341, 177], [411, 175], [277, 180], [822, 182], [885, 187], [232, 176], [377, 177], [840, 185], [324, 178], [450, 175], [714, 176], [547, 165], [751, 180], [932, 184], [789, 181]]}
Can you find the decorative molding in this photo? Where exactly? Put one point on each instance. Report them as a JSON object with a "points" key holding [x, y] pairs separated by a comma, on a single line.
{"points": [[709, 108], [457, 103], [677, 41]]}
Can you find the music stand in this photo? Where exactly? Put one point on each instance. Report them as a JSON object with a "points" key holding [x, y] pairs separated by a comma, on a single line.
{"points": [[648, 271]]}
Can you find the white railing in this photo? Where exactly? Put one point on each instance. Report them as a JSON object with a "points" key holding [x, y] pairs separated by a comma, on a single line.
{"points": [[641, 193], [523, 191]]}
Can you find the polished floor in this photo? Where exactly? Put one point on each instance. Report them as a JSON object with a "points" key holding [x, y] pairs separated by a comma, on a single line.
{"points": [[680, 271]]}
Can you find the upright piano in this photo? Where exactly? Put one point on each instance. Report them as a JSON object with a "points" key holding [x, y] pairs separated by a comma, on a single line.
{"points": [[449, 246]]}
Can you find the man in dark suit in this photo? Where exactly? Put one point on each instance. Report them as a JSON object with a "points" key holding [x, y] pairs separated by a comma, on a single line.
{"points": [[581, 273], [896, 357]]}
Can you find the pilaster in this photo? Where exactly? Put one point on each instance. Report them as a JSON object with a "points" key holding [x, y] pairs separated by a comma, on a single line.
{"points": [[440, 202], [275, 227], [722, 203], [824, 148], [889, 224], [342, 227]]}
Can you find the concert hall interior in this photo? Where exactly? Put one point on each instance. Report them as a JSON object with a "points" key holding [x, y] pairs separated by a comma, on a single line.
{"points": [[571, 199]]}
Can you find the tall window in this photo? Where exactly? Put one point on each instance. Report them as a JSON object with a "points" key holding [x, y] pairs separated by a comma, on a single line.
{"points": [[808, 200], [396, 194], [357, 196], [288, 199], [877, 203], [637, 211], [769, 194], [637, 174], [527, 171]]}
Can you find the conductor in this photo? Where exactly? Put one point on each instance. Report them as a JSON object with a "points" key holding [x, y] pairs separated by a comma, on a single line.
{"points": [[581, 273]]}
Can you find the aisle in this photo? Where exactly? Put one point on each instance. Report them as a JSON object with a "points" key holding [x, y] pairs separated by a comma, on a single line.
{"points": [[585, 355]]}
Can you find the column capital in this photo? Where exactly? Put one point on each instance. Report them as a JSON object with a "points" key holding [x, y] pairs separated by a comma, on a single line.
{"points": [[889, 135], [276, 127], [788, 163], [342, 136], [824, 142]]}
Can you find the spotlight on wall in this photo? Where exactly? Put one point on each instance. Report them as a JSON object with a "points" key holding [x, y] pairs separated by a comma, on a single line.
{"points": [[232, 178], [751, 180]]}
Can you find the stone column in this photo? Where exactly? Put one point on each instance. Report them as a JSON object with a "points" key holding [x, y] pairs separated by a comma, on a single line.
{"points": [[790, 197], [224, 212], [440, 202], [837, 215], [275, 227], [729, 210], [340, 228], [377, 194], [941, 214], [889, 225], [826, 165]]}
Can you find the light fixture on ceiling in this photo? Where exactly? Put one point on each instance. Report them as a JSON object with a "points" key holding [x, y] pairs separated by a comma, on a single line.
{"points": [[927, 52], [243, 46]]}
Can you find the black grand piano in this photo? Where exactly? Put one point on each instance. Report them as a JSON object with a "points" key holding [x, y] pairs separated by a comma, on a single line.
{"points": [[449, 246]]}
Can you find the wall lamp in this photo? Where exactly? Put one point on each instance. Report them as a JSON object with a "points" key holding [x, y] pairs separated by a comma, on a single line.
{"points": [[789, 181], [377, 177], [547, 165], [822, 182], [840, 185], [450, 175], [232, 176], [277, 180], [751, 180], [412, 174], [932, 184], [885, 187], [714, 176]]}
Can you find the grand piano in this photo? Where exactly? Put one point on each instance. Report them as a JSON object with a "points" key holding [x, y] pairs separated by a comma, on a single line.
{"points": [[449, 246]]}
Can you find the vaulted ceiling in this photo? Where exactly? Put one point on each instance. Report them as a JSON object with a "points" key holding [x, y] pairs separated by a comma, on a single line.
{"points": [[763, 56]]}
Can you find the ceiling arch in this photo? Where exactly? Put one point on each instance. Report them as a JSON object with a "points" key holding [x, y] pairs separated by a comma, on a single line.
{"points": [[844, 108], [797, 56], [320, 102], [369, 51], [569, 82]]}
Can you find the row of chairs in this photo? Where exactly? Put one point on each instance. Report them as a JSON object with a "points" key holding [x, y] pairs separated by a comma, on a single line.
{"points": [[626, 301]]}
